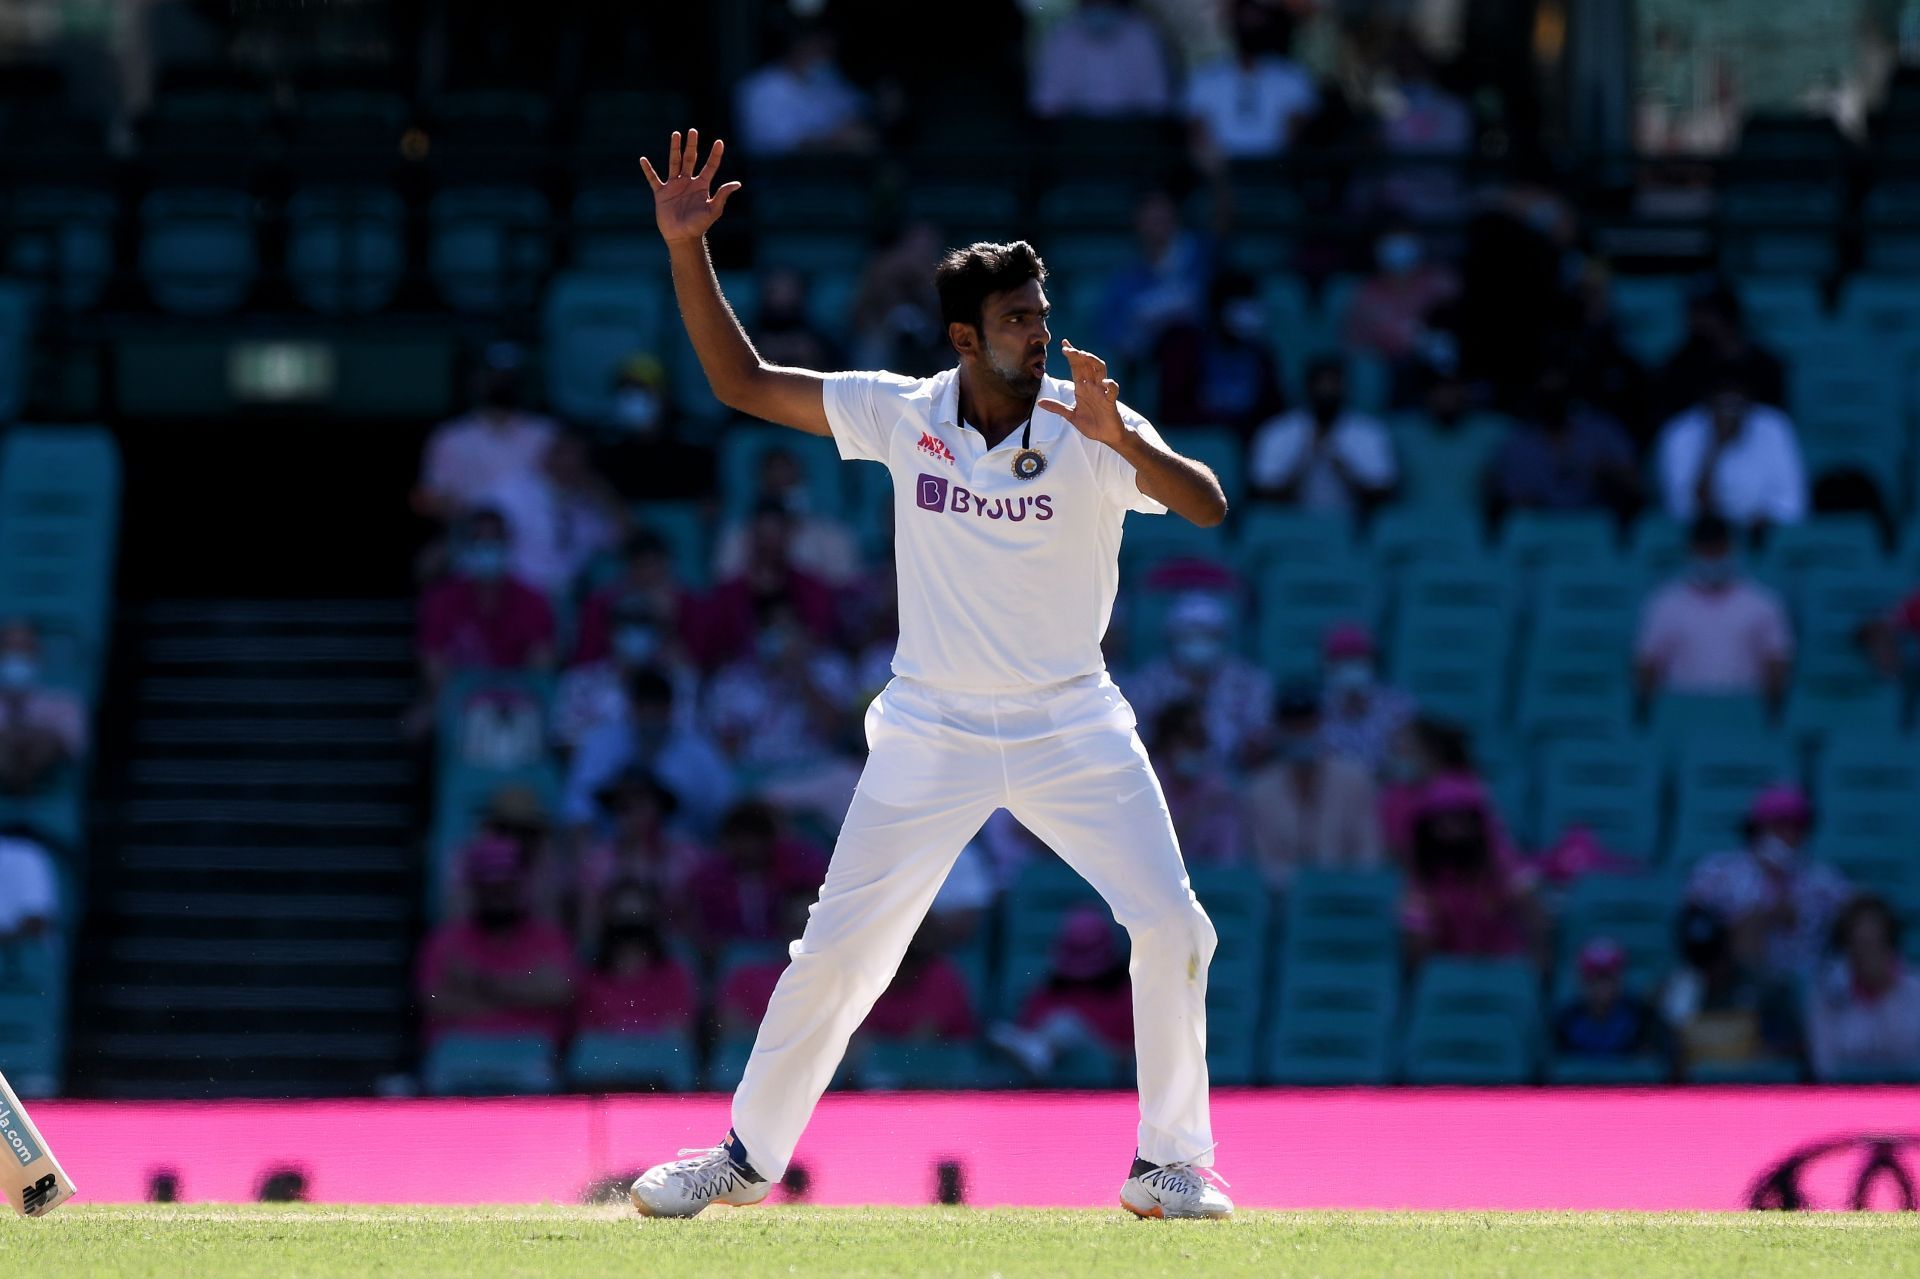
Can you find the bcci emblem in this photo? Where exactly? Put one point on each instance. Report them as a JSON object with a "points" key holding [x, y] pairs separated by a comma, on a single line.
{"points": [[1028, 463]]}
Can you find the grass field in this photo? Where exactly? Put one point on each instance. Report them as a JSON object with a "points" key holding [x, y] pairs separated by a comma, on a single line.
{"points": [[262, 1242]]}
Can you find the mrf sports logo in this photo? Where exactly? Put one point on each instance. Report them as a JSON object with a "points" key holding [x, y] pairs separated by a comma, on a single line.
{"points": [[14, 1138], [934, 446], [935, 493]]}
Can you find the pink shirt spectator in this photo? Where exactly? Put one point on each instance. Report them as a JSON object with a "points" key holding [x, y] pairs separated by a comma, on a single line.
{"points": [[56, 712], [748, 989], [1458, 915], [1108, 1013], [516, 953], [662, 997], [666, 867], [467, 457], [1714, 641], [596, 620], [462, 628], [1401, 803], [734, 906], [935, 1002], [726, 619]]}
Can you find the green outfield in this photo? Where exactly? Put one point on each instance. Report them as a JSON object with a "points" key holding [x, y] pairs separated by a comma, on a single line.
{"points": [[260, 1242]]}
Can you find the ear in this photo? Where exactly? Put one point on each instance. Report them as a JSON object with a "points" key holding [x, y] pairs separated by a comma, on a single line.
{"points": [[963, 337]]}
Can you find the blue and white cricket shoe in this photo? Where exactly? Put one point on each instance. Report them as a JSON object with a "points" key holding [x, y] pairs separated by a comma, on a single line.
{"points": [[685, 1186], [1173, 1190]]}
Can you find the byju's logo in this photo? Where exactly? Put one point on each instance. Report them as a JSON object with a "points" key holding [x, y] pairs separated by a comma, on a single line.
{"points": [[933, 492], [14, 1139]]}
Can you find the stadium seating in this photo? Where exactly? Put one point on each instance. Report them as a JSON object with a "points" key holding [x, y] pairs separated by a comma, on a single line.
{"points": [[1236, 901], [197, 251], [601, 1061], [593, 322], [346, 248], [467, 1065], [1716, 777], [1609, 787], [487, 247], [61, 238], [1473, 1022]]}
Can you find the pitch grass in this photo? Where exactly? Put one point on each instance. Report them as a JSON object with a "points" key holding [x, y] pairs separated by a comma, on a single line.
{"points": [[271, 1242]]}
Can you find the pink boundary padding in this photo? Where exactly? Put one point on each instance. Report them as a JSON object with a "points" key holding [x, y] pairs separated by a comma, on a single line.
{"points": [[1346, 1148]]}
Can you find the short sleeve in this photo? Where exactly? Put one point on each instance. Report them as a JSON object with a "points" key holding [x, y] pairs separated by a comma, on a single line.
{"points": [[1117, 476], [858, 412]]}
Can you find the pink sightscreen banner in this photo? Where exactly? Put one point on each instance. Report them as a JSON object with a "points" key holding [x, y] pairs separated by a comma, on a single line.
{"points": [[1342, 1148]]}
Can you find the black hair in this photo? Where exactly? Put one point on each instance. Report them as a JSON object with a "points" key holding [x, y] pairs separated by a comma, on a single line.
{"points": [[1448, 744], [1322, 364], [471, 521], [1710, 530], [751, 819], [966, 277], [649, 687], [1860, 906], [1176, 718], [643, 541]]}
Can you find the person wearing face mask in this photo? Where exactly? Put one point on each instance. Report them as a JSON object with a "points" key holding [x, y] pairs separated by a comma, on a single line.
{"points": [[1206, 809], [1466, 896], [1732, 457], [816, 542], [638, 446], [1307, 806], [1200, 666], [1863, 1020], [498, 969], [1712, 630], [1779, 903], [1717, 336], [482, 617], [802, 103], [655, 734], [1104, 59], [1250, 104], [744, 889], [1360, 714], [640, 849], [770, 580], [1222, 373], [41, 728], [787, 705], [1388, 313], [1324, 457], [467, 457], [635, 984]]}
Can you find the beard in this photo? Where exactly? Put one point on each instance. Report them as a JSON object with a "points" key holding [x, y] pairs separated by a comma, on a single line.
{"points": [[1016, 376]]}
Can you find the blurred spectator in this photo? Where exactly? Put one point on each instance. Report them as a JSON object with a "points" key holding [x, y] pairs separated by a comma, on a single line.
{"points": [[593, 694], [467, 457], [1717, 340], [1309, 807], [896, 312], [498, 969], [783, 331], [1223, 374], [1324, 457], [1720, 1010], [769, 582], [1712, 630], [1604, 371], [802, 103], [634, 985], [927, 999], [1605, 1019], [1200, 666], [1387, 315], [1163, 288], [1888, 641], [1360, 715], [1425, 752], [1207, 818], [562, 515], [1464, 896], [29, 891], [1733, 458], [1863, 1016], [1085, 1003], [737, 893], [652, 736], [637, 853], [1568, 457], [482, 617], [1421, 120], [41, 728], [817, 542], [642, 451], [788, 703], [1102, 60], [647, 586], [1248, 106], [1778, 903], [747, 977]]}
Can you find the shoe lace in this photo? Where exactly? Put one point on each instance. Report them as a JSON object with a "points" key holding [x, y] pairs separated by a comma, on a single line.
{"points": [[1183, 1177], [710, 1170]]}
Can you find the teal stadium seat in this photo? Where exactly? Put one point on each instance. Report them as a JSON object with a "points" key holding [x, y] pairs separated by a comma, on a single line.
{"points": [[1341, 917], [59, 529], [1657, 546], [742, 449], [1715, 780], [1783, 226], [1890, 213], [1473, 1022], [687, 384], [1221, 449], [614, 230], [1609, 786], [197, 251], [1236, 900], [889, 1064], [472, 1065], [592, 323], [1865, 792], [604, 1061], [1607, 1072], [16, 332], [1533, 541], [1678, 718], [30, 1043], [1441, 469], [1280, 535], [1039, 898], [1650, 314], [1300, 601], [1590, 609], [1781, 311], [487, 246], [1636, 911], [966, 211], [346, 248], [1402, 536], [1572, 695], [1330, 1048], [62, 241]]}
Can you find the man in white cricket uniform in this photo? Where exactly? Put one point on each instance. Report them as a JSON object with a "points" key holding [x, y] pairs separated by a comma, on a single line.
{"points": [[1010, 489]]}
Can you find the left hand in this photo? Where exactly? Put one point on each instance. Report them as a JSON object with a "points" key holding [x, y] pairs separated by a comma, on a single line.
{"points": [[1095, 411]]}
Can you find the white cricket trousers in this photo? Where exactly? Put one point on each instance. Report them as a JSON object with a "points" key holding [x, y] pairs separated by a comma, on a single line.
{"points": [[1066, 761]]}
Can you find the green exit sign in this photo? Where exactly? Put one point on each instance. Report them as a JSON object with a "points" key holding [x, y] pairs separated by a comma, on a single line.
{"points": [[283, 372]]}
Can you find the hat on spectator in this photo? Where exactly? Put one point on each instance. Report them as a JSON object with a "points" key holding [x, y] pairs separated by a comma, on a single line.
{"points": [[1602, 957], [1347, 639], [1781, 802], [517, 806], [1084, 946], [491, 860], [1450, 794]]}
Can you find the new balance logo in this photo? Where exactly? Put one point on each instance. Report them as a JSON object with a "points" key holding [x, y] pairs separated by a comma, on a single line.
{"points": [[35, 1197], [935, 447]]}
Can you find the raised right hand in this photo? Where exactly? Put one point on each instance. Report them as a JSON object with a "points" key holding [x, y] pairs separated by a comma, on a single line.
{"points": [[684, 204]]}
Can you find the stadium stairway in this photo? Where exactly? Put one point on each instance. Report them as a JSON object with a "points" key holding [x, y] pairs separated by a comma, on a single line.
{"points": [[253, 936]]}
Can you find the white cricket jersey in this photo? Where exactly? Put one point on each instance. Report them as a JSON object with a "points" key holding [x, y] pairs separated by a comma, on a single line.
{"points": [[1004, 582]]}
